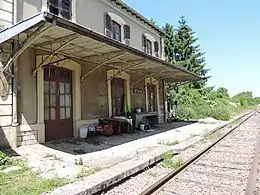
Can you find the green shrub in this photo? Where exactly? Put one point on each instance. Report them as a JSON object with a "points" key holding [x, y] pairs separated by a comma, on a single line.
{"points": [[221, 113], [4, 160], [185, 113]]}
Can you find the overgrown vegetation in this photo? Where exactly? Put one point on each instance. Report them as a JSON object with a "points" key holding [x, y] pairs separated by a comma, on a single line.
{"points": [[168, 143], [212, 136], [196, 100], [25, 182], [171, 162], [87, 172], [5, 160]]}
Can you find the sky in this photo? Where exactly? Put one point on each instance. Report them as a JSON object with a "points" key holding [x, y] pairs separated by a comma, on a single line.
{"points": [[228, 32]]}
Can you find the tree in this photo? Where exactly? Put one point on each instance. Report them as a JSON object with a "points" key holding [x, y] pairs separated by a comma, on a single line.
{"points": [[181, 49], [153, 21]]}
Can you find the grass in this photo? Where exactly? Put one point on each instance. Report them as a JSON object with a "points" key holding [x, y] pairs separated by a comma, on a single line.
{"points": [[203, 122], [170, 162], [234, 122], [212, 136], [87, 172], [169, 143], [25, 182]]}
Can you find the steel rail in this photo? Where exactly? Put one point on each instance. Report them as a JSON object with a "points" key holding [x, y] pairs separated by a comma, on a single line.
{"points": [[157, 185]]}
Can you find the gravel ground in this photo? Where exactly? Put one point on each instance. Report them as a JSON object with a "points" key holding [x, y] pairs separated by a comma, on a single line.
{"points": [[192, 188], [135, 185], [209, 179], [138, 183], [217, 170], [225, 169], [232, 183]]}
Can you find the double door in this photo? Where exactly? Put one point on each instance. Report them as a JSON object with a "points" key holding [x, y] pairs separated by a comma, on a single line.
{"points": [[58, 115]]}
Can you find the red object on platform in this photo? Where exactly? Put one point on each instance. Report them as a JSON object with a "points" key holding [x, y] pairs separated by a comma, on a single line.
{"points": [[107, 130]]}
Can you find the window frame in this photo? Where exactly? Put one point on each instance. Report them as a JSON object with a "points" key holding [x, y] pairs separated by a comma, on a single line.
{"points": [[114, 24], [149, 50], [60, 9]]}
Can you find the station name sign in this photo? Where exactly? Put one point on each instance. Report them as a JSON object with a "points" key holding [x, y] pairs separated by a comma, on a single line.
{"points": [[138, 91]]}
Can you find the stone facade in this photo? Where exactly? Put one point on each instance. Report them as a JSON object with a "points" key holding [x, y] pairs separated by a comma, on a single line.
{"points": [[27, 138]]}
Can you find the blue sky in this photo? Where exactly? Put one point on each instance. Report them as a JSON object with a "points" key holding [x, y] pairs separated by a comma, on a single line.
{"points": [[228, 31]]}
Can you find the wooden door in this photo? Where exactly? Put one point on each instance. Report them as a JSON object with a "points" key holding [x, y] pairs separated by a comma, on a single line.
{"points": [[57, 103], [118, 92], [151, 98]]}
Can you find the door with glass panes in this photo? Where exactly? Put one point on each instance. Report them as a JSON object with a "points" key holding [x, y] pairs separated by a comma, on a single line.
{"points": [[57, 103]]}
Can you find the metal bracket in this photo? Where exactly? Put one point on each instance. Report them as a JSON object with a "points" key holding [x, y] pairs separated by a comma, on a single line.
{"points": [[26, 43], [123, 70], [156, 81], [54, 52], [142, 79], [101, 64]]}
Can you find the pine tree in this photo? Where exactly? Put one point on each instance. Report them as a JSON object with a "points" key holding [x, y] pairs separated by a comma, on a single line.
{"points": [[181, 49]]}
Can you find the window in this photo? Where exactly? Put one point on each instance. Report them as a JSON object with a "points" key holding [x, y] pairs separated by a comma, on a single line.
{"points": [[116, 31], [61, 8], [149, 47], [127, 34]]}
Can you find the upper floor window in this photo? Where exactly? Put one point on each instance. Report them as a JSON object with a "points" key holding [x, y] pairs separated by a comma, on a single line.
{"points": [[116, 31], [61, 8], [116, 28], [150, 46]]}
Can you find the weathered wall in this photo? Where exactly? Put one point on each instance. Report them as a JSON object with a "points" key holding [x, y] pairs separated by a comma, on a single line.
{"points": [[94, 93], [138, 100], [86, 13], [6, 131], [26, 88], [6, 13], [27, 8]]}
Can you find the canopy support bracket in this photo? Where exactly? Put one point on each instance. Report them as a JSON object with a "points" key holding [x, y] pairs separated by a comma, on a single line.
{"points": [[40, 31], [123, 70], [101, 64], [53, 54]]}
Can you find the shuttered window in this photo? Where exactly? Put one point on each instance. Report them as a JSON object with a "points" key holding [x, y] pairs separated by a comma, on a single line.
{"points": [[144, 42], [147, 45], [127, 32], [156, 48], [61, 8], [112, 28], [116, 31], [127, 35], [108, 23]]}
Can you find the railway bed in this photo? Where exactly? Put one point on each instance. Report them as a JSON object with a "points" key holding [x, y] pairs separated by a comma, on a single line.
{"points": [[229, 166]]}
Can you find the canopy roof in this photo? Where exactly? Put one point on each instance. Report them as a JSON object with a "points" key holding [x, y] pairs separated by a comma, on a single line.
{"points": [[57, 36]]}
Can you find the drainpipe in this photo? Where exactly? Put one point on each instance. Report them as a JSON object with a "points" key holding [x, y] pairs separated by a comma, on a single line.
{"points": [[164, 101], [14, 101], [14, 91]]}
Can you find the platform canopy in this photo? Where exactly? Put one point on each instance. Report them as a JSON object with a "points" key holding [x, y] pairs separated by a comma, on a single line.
{"points": [[55, 36]]}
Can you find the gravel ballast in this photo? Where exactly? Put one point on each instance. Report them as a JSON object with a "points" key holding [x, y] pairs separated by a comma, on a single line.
{"points": [[223, 170]]}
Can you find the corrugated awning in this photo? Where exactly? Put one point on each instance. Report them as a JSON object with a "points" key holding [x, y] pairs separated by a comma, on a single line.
{"points": [[53, 35]]}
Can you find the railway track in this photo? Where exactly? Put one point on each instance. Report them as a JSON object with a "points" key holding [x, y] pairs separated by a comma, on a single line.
{"points": [[229, 166]]}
